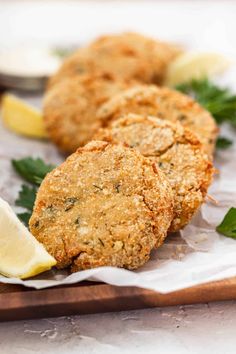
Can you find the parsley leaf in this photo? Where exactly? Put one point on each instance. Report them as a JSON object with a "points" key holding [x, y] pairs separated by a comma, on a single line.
{"points": [[24, 217], [228, 225], [220, 102], [32, 170], [62, 52], [26, 197], [223, 143]]}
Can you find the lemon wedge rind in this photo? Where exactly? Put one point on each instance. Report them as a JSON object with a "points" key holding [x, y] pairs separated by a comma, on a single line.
{"points": [[22, 118], [21, 255], [195, 65]]}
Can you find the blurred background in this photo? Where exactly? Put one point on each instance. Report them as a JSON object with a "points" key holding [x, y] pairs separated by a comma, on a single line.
{"points": [[65, 25], [204, 24]]}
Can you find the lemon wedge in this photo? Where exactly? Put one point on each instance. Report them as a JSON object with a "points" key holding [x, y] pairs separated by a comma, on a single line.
{"points": [[21, 255], [22, 118], [194, 65]]}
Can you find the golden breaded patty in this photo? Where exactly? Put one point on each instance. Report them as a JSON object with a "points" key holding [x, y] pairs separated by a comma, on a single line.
{"points": [[178, 153], [70, 108], [166, 104], [106, 205], [126, 55], [79, 63]]}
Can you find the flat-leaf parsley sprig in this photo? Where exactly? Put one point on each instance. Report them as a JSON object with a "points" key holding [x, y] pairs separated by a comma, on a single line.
{"points": [[228, 226], [223, 143], [220, 102], [33, 171]]}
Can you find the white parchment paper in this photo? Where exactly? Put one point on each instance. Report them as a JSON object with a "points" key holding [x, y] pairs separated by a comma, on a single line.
{"points": [[195, 256]]}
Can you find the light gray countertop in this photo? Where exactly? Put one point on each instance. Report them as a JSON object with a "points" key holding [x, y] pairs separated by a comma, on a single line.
{"points": [[206, 328]]}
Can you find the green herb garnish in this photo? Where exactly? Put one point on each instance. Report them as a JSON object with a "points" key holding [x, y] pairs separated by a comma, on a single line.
{"points": [[228, 225], [26, 197], [62, 52], [24, 217], [220, 102], [223, 143], [33, 171]]}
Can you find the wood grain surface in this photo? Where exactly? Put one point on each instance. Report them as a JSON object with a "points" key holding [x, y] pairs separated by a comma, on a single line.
{"points": [[18, 303]]}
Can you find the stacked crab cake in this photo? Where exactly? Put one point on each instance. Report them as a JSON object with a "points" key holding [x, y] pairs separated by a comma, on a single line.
{"points": [[70, 108], [147, 170], [79, 63], [126, 55], [134, 56], [177, 152], [93, 75], [166, 104], [106, 205]]}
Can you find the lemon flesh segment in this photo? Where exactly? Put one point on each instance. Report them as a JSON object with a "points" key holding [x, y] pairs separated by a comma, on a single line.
{"points": [[21, 255], [194, 65], [22, 118]]}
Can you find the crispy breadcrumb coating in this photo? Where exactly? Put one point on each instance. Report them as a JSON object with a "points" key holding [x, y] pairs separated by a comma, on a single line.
{"points": [[177, 152], [70, 108], [126, 55], [163, 103], [106, 205]]}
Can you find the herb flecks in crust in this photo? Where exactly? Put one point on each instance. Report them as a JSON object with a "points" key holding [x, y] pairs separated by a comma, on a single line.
{"points": [[166, 104], [177, 152], [121, 208]]}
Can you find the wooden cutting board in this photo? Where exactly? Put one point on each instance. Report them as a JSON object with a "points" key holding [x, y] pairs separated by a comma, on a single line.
{"points": [[18, 303]]}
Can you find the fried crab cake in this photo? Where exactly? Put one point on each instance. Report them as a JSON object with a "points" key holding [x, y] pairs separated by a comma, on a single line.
{"points": [[126, 55], [106, 205], [166, 104], [177, 152], [79, 63], [70, 108], [134, 56]]}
